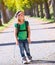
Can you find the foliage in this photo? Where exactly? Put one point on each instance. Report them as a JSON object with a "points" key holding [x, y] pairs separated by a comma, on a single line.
{"points": [[10, 4], [16, 5]]}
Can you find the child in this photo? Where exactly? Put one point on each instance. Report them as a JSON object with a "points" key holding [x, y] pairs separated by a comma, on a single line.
{"points": [[22, 36]]}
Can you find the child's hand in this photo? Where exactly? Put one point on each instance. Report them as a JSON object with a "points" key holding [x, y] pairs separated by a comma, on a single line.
{"points": [[29, 41], [17, 42]]}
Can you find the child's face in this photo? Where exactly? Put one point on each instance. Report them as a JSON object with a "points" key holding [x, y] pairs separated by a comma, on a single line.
{"points": [[21, 16]]}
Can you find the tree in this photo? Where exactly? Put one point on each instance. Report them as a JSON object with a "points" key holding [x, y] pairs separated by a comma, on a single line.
{"points": [[53, 5], [34, 10], [10, 8], [41, 10], [0, 20], [37, 10], [0, 16], [31, 11], [46, 7], [3, 9], [31, 7]]}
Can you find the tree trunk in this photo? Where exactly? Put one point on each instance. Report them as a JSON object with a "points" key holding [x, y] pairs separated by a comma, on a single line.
{"points": [[31, 11], [41, 10], [0, 22], [47, 13], [5, 18], [34, 9], [27, 11], [49, 2], [53, 4], [0, 18], [10, 14], [37, 11]]}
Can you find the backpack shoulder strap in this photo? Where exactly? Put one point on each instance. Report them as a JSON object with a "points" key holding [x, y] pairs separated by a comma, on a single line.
{"points": [[26, 23], [18, 28]]}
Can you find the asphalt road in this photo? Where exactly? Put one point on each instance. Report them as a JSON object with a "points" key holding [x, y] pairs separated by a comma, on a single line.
{"points": [[41, 47]]}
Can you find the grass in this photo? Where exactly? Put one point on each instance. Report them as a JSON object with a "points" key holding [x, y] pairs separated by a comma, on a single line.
{"points": [[5, 25], [44, 19], [47, 20]]}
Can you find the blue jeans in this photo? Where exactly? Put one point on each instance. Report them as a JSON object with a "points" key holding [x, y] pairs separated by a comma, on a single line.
{"points": [[24, 45]]}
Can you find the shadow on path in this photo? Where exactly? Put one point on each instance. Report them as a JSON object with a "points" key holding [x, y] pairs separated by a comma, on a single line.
{"points": [[32, 29], [42, 61], [43, 28], [7, 32], [49, 22], [43, 41], [32, 42]]}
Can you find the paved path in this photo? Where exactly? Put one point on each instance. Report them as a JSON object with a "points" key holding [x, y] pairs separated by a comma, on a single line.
{"points": [[42, 47]]}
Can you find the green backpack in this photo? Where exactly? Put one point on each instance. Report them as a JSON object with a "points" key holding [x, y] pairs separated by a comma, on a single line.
{"points": [[18, 29]]}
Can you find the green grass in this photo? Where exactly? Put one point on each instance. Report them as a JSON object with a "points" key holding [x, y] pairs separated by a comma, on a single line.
{"points": [[47, 20], [44, 19], [5, 25]]}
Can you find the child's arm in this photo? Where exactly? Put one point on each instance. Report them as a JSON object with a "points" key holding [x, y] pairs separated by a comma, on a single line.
{"points": [[15, 33], [29, 34]]}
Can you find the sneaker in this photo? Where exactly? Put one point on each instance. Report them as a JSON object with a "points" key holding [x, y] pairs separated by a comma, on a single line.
{"points": [[24, 61], [30, 59]]}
